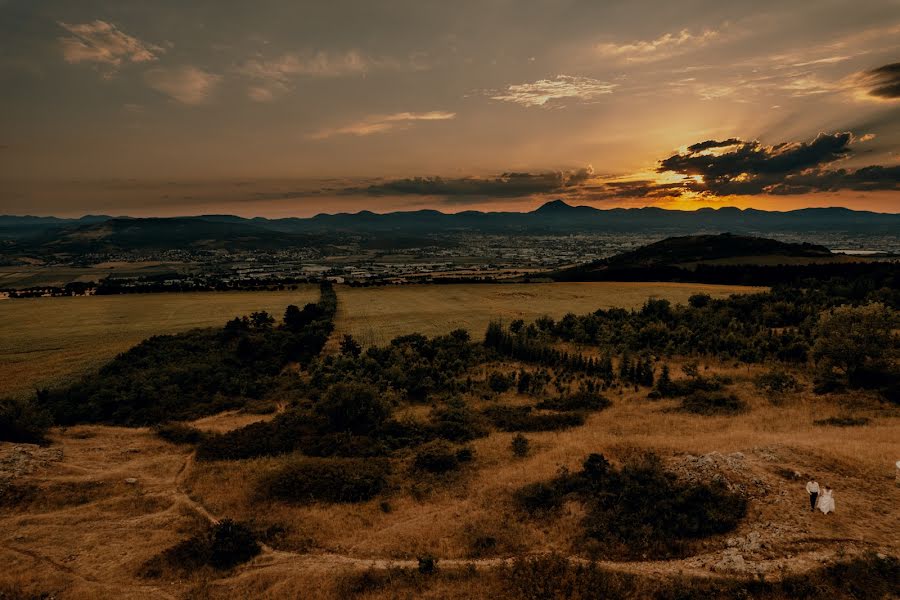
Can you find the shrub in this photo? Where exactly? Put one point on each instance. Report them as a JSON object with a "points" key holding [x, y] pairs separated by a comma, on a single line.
{"points": [[427, 565], [711, 403], [520, 445], [179, 433], [777, 381], [540, 497], [843, 421], [353, 407], [639, 509], [436, 457], [522, 418], [499, 383], [222, 546], [326, 480], [457, 422], [582, 400], [23, 421]]}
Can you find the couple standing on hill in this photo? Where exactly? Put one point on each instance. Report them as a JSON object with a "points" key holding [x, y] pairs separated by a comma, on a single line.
{"points": [[825, 501]]}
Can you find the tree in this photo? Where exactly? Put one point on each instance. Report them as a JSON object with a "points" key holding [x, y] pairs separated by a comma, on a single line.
{"points": [[350, 347], [261, 320], [353, 407], [852, 341], [23, 420], [664, 383]]}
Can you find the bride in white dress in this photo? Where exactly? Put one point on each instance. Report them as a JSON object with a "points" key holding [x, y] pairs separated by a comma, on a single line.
{"points": [[826, 500]]}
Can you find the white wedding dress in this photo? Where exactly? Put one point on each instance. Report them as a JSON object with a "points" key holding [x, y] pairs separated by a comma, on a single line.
{"points": [[826, 501]]}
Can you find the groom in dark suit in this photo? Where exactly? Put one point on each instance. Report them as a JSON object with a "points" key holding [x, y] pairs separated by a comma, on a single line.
{"points": [[812, 488]]}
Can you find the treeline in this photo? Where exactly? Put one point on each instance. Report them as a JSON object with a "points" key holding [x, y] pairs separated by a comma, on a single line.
{"points": [[198, 372]]}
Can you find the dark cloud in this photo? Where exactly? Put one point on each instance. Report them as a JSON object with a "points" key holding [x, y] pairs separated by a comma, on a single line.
{"points": [[710, 144], [507, 185], [736, 167], [883, 82], [865, 179], [753, 162], [787, 168]]}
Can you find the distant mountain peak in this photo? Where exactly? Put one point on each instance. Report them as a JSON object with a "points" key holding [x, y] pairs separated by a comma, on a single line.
{"points": [[554, 206]]}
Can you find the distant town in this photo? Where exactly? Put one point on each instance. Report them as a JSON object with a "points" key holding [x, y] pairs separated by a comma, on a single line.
{"points": [[437, 258]]}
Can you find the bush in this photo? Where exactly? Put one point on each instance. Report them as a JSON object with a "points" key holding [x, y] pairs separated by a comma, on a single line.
{"points": [[179, 433], [541, 497], [436, 457], [520, 445], [522, 418], [222, 546], [711, 403], [582, 400], [23, 421], [326, 480], [499, 383], [639, 509], [427, 565], [777, 381], [457, 422], [353, 407]]}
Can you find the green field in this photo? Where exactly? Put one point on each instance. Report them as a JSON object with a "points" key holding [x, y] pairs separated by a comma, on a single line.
{"points": [[44, 341]]}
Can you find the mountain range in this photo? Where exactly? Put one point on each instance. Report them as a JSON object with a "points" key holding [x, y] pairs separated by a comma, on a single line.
{"points": [[99, 232]]}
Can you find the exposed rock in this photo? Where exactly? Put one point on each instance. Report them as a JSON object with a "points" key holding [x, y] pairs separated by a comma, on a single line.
{"points": [[23, 459], [131, 480], [731, 562]]}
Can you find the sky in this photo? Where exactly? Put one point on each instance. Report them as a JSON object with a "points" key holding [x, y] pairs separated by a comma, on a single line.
{"points": [[292, 108]]}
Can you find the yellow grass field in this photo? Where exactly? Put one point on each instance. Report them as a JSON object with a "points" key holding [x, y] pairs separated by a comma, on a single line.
{"points": [[43, 341], [375, 316]]}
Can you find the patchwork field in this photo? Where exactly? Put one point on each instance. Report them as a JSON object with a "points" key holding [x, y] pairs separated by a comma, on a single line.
{"points": [[45, 340], [23, 276]]}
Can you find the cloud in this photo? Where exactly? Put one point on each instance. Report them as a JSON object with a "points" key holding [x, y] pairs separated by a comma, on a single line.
{"points": [[882, 83], [747, 167], [187, 85], [747, 160], [381, 123], [102, 42], [273, 76], [506, 185], [714, 169], [539, 93], [661, 48]]}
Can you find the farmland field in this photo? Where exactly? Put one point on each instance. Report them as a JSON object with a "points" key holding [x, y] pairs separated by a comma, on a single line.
{"points": [[377, 315], [43, 341]]}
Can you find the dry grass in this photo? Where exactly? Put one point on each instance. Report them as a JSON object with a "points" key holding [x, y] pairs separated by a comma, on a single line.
{"points": [[444, 519], [46, 341], [94, 547], [374, 316]]}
